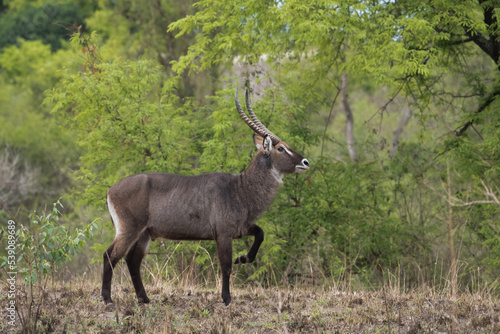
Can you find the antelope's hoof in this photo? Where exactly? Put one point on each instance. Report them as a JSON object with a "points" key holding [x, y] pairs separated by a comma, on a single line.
{"points": [[227, 300], [241, 259], [106, 300], [143, 300]]}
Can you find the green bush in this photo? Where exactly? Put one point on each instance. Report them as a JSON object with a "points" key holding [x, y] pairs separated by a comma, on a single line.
{"points": [[42, 247]]}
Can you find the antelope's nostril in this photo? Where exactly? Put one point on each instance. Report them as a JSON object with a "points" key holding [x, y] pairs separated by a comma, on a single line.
{"points": [[305, 162]]}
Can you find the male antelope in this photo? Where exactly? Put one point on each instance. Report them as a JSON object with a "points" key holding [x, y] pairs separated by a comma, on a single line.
{"points": [[216, 206]]}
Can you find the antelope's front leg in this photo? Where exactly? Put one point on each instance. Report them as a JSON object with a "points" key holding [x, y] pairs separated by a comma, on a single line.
{"points": [[225, 254], [258, 233]]}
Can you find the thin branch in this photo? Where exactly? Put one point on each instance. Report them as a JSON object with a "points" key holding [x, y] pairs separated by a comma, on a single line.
{"points": [[408, 111], [473, 203], [479, 110], [384, 107], [328, 121], [456, 202], [479, 134], [489, 192], [458, 42]]}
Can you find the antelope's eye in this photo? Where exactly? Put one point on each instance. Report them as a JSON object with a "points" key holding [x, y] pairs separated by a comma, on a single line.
{"points": [[281, 149]]}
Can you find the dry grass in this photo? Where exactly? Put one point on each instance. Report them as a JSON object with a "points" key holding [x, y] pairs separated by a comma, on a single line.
{"points": [[74, 307]]}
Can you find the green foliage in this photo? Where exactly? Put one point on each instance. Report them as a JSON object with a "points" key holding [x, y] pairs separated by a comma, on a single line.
{"points": [[133, 98], [40, 249], [138, 29], [49, 22], [404, 45], [478, 161], [124, 122], [45, 245], [26, 71], [419, 50]]}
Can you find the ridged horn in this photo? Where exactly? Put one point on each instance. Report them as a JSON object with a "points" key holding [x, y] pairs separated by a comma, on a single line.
{"points": [[274, 138], [245, 118]]}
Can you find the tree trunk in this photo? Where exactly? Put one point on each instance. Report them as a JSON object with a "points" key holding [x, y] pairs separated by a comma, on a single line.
{"points": [[451, 233], [407, 112], [349, 129]]}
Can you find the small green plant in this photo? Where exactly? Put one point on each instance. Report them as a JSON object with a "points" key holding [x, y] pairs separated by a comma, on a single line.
{"points": [[46, 245], [42, 247]]}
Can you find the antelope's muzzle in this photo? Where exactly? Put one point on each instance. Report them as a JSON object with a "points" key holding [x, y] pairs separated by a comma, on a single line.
{"points": [[304, 166]]}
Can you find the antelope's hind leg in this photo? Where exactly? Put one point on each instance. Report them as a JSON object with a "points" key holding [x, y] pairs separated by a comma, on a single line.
{"points": [[134, 259], [258, 233], [112, 255]]}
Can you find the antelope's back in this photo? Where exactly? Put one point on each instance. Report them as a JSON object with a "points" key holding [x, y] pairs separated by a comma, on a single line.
{"points": [[174, 206]]}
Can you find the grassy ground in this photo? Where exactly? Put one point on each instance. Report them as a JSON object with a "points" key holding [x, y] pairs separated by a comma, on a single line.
{"points": [[74, 307]]}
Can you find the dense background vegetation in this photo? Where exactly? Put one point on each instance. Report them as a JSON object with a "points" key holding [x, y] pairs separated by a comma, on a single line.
{"points": [[394, 103]]}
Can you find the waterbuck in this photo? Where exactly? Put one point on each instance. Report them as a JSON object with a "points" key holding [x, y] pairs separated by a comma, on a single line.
{"points": [[216, 206]]}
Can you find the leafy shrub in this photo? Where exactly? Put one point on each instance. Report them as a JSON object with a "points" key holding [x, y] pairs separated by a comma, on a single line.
{"points": [[43, 246]]}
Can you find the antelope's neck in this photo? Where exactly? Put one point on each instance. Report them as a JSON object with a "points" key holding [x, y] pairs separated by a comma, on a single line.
{"points": [[260, 184]]}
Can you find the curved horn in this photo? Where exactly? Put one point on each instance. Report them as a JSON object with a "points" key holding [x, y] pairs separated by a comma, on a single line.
{"points": [[245, 118], [274, 138]]}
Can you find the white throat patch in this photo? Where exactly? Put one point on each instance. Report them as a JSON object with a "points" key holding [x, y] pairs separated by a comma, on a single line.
{"points": [[277, 175]]}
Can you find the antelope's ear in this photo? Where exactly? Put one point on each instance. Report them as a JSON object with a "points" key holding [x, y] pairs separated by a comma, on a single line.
{"points": [[268, 144], [258, 140]]}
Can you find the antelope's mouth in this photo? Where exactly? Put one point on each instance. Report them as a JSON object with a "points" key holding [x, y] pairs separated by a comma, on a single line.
{"points": [[304, 166], [301, 169]]}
